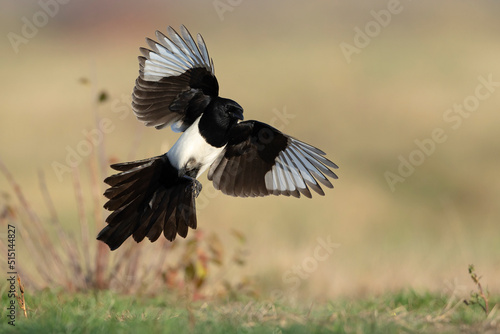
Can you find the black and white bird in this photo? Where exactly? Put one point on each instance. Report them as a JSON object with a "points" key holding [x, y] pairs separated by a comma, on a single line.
{"points": [[177, 87]]}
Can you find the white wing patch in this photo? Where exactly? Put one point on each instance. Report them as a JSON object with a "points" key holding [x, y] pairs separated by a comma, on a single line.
{"points": [[300, 165], [178, 126], [175, 55]]}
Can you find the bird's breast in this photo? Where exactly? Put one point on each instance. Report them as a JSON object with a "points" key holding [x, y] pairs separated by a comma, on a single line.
{"points": [[191, 154]]}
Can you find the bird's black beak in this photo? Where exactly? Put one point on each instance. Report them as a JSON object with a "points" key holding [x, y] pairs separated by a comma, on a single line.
{"points": [[237, 113]]}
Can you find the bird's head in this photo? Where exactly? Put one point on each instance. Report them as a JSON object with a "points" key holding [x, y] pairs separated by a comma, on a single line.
{"points": [[234, 110], [226, 112], [217, 120]]}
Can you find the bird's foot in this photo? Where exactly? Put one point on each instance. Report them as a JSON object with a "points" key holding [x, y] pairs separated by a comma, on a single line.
{"points": [[195, 185]]}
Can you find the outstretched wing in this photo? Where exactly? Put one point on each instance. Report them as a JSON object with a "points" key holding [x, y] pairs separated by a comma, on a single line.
{"points": [[176, 81], [259, 160]]}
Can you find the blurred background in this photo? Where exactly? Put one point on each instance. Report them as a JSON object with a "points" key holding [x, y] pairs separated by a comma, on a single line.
{"points": [[363, 80]]}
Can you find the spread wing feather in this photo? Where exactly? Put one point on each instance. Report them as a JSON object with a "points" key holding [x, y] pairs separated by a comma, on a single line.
{"points": [[176, 80], [259, 160]]}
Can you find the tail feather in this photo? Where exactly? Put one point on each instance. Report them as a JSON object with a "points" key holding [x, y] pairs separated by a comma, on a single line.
{"points": [[147, 198], [179, 198], [125, 166]]}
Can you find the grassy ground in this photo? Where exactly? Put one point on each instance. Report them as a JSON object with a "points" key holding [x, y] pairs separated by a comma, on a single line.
{"points": [[105, 312]]}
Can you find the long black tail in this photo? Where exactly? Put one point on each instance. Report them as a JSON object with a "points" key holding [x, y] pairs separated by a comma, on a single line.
{"points": [[146, 198]]}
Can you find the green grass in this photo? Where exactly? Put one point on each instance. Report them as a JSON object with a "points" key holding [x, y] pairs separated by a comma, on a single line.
{"points": [[106, 312], [364, 114]]}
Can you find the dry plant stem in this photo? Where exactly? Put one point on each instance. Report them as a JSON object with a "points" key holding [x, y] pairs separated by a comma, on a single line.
{"points": [[68, 242], [47, 248], [486, 304], [475, 278], [44, 271], [119, 263], [133, 274], [156, 266], [102, 259], [20, 299], [4, 220], [161, 260], [83, 220], [102, 253], [20, 272]]}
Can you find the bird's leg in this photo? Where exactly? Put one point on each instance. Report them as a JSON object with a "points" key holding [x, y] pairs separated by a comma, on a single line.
{"points": [[195, 185]]}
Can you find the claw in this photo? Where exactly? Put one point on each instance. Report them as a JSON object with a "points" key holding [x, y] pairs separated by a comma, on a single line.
{"points": [[196, 187]]}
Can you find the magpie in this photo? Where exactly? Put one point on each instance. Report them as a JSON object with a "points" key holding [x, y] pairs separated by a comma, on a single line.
{"points": [[177, 87]]}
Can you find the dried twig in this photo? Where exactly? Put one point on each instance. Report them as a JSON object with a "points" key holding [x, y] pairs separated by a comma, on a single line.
{"points": [[83, 222], [67, 241], [476, 296], [30, 243], [102, 252], [20, 299]]}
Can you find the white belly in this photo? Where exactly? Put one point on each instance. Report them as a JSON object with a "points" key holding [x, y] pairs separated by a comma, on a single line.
{"points": [[191, 149]]}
